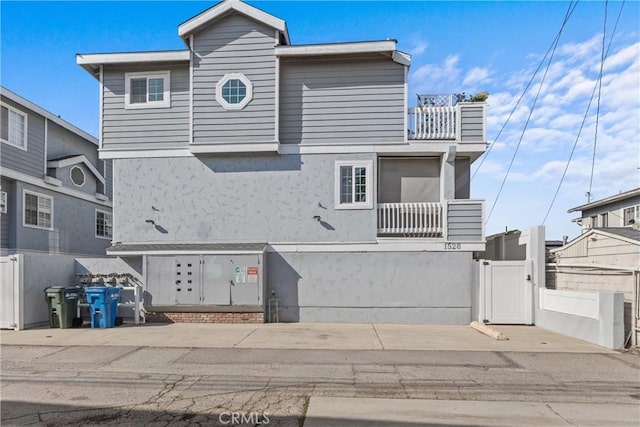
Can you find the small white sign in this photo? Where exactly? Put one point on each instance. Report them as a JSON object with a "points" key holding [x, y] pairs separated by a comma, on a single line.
{"points": [[241, 276]]}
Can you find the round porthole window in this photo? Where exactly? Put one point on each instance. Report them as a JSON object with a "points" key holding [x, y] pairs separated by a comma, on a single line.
{"points": [[234, 91], [77, 176]]}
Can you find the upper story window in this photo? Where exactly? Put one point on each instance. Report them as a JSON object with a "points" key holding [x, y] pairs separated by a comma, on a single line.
{"points": [[147, 90], [353, 185], [13, 127], [104, 224], [632, 215], [38, 210], [77, 176], [234, 91]]}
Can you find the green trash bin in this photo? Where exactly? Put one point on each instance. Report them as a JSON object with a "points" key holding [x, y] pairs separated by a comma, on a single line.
{"points": [[63, 306]]}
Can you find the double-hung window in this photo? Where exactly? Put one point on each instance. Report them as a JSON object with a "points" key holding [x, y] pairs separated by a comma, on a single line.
{"points": [[13, 127], [353, 185], [147, 90], [632, 215], [38, 210], [104, 224]]}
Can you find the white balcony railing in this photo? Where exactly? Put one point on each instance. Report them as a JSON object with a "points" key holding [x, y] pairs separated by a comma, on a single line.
{"points": [[432, 122], [410, 219]]}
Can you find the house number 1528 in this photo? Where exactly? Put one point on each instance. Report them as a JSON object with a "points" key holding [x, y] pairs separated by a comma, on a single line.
{"points": [[452, 246]]}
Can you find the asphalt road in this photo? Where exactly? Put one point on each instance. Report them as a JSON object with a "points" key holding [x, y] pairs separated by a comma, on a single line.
{"points": [[101, 385]]}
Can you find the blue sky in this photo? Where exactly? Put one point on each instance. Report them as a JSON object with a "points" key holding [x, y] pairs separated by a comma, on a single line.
{"points": [[456, 46]]}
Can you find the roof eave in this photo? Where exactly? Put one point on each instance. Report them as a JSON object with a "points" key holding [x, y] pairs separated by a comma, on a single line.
{"points": [[194, 24], [383, 47], [91, 62], [48, 115], [611, 199]]}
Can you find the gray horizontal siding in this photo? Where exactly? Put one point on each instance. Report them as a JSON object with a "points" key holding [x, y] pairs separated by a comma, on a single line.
{"points": [[30, 162], [464, 222], [61, 142], [340, 102], [149, 128], [472, 122], [235, 44]]}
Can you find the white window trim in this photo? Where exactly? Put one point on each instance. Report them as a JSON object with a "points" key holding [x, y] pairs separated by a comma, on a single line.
{"points": [[24, 206], [241, 104], [165, 103], [3, 202], [84, 176], [95, 227], [368, 165], [26, 127]]}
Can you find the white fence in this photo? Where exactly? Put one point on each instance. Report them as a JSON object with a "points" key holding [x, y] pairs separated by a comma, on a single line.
{"points": [[410, 219], [596, 317], [11, 302], [576, 303], [433, 122]]}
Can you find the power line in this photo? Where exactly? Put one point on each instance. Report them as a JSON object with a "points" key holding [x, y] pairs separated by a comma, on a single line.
{"points": [[584, 119], [535, 73], [533, 105], [595, 136]]}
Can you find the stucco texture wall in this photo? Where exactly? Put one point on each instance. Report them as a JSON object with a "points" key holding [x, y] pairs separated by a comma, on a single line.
{"points": [[235, 199], [384, 287]]}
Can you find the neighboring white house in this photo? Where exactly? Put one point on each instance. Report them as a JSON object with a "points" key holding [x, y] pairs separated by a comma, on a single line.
{"points": [[621, 210], [250, 171], [602, 259]]}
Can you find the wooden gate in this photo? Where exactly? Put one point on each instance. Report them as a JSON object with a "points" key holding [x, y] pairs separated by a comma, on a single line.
{"points": [[506, 292]]}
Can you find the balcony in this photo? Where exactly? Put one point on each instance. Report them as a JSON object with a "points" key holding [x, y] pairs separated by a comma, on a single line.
{"points": [[441, 118], [454, 220]]}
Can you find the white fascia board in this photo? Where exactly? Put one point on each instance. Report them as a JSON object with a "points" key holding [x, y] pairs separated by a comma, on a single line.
{"points": [[336, 48], [47, 115], [401, 58], [381, 245], [180, 252], [144, 154], [607, 200], [92, 61], [221, 9], [397, 148], [74, 161], [270, 147], [51, 185]]}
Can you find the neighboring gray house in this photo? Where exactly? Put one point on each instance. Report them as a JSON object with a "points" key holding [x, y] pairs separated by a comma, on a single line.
{"points": [[621, 210], [55, 193], [250, 171]]}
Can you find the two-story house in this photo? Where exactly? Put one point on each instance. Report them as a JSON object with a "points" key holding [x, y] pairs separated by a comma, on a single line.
{"points": [[620, 210], [55, 192], [255, 178]]}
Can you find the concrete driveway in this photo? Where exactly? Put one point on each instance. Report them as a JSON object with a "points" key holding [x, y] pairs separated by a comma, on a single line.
{"points": [[307, 336]]}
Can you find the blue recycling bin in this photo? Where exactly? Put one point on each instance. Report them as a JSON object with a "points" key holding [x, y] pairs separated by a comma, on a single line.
{"points": [[103, 305]]}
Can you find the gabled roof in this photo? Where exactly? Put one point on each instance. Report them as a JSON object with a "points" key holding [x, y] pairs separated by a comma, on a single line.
{"points": [[49, 116], [387, 47], [607, 200], [625, 234], [224, 8], [65, 161]]}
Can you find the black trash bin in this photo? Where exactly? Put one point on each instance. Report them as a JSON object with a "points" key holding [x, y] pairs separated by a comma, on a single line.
{"points": [[63, 306]]}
